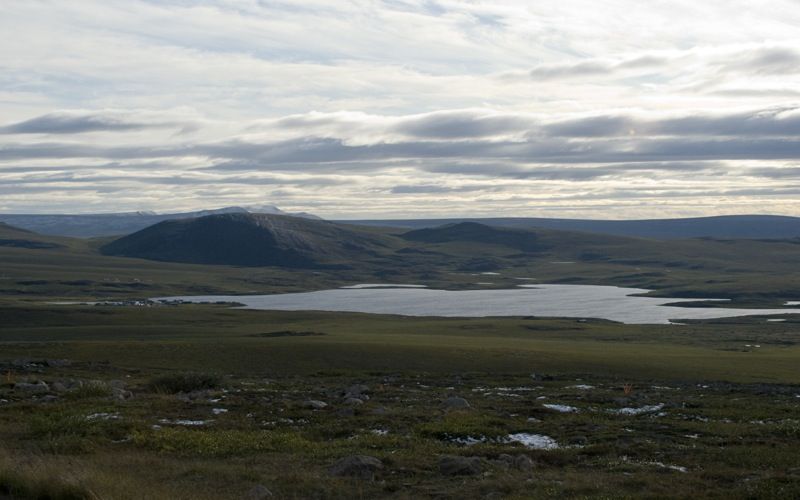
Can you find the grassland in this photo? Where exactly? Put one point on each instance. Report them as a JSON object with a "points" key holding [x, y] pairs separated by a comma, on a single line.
{"points": [[208, 402]]}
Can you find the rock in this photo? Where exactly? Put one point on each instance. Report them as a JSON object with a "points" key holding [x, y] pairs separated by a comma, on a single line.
{"points": [[456, 403], [121, 394], [57, 363], [345, 412], [49, 398], [450, 465], [315, 404], [523, 463], [520, 462], [355, 391], [379, 411], [353, 401], [359, 466], [258, 492], [578, 440], [59, 387], [116, 384], [37, 388]]}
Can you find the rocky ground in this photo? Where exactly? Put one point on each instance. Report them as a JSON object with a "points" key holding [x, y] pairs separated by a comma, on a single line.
{"points": [[402, 435]]}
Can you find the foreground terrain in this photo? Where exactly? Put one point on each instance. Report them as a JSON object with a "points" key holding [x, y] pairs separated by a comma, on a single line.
{"points": [[209, 402]]}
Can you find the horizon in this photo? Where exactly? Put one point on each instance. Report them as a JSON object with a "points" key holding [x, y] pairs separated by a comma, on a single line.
{"points": [[402, 110], [254, 209]]}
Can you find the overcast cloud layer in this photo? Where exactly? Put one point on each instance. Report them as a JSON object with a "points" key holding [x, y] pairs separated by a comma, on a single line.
{"points": [[402, 108]]}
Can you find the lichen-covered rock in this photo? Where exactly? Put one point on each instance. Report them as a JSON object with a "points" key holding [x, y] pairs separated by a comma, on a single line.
{"points": [[359, 466]]}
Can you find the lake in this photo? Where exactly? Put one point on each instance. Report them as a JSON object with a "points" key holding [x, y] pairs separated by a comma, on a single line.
{"points": [[568, 301]]}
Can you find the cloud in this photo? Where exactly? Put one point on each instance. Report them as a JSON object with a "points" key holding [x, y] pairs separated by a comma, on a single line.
{"points": [[430, 108], [598, 67], [78, 123]]}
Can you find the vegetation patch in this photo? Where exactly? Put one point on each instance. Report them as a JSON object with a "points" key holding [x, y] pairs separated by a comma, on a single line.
{"points": [[185, 382]]}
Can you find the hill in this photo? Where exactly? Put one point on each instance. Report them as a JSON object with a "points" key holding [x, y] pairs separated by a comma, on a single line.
{"points": [[116, 224], [15, 237], [727, 227], [473, 232], [245, 239]]}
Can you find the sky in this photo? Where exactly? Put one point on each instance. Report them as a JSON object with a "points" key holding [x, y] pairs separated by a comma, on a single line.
{"points": [[402, 108]]}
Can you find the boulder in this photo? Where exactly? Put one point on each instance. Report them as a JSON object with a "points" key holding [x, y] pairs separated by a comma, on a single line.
{"points": [[456, 403], [37, 388], [450, 465], [314, 404], [258, 492], [358, 466], [353, 402]]}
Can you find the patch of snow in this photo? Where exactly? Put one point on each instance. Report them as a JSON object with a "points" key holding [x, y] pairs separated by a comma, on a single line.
{"points": [[638, 411], [103, 416], [533, 441], [379, 432], [185, 422], [775, 320], [468, 440], [678, 468], [792, 303], [582, 387], [489, 273], [561, 408], [219, 411]]}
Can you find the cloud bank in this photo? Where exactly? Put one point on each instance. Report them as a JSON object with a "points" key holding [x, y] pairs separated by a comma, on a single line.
{"points": [[396, 109]]}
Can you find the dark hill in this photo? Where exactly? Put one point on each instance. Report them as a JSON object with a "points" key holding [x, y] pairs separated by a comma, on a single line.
{"points": [[473, 232], [725, 227], [15, 237], [250, 240]]}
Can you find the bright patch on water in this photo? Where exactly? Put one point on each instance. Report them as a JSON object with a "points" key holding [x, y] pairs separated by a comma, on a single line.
{"points": [[379, 285]]}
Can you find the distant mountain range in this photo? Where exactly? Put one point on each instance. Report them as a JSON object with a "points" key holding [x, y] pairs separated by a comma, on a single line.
{"points": [[245, 239], [722, 227], [118, 224]]}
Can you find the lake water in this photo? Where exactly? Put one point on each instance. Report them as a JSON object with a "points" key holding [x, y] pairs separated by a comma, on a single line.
{"points": [[569, 301]]}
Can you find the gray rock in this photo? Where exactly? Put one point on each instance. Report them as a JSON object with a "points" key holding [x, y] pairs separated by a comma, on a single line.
{"points": [[57, 363], [37, 388], [450, 465], [353, 401], [315, 404], [121, 394], [355, 390], [523, 463], [258, 492], [456, 403], [59, 387], [359, 466], [116, 384], [345, 412]]}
